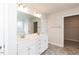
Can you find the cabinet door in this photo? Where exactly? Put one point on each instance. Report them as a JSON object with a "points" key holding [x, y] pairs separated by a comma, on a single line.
{"points": [[34, 49], [44, 44], [38, 46], [23, 49]]}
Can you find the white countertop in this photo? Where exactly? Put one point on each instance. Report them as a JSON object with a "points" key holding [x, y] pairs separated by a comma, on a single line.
{"points": [[30, 38]]}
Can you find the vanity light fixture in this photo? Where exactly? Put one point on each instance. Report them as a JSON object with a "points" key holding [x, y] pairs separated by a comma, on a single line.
{"points": [[37, 15], [28, 10], [21, 6]]}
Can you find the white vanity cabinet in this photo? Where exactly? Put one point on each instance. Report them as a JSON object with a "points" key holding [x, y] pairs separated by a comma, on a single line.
{"points": [[44, 43], [33, 47], [22, 49], [28, 49]]}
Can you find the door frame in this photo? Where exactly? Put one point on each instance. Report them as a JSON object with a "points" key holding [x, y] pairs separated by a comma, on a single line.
{"points": [[63, 25]]}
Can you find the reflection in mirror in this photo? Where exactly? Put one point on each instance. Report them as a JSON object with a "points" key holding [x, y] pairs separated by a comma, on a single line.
{"points": [[27, 24]]}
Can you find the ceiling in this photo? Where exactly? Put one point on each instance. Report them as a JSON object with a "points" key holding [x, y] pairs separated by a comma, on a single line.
{"points": [[48, 8]]}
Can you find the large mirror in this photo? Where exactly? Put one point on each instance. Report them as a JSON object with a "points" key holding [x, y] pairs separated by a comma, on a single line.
{"points": [[27, 24]]}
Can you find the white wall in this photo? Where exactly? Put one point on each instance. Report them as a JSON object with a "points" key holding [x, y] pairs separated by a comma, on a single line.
{"points": [[10, 36], [56, 26], [1, 29]]}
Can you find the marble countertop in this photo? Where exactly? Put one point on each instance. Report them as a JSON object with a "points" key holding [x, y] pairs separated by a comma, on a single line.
{"points": [[30, 38]]}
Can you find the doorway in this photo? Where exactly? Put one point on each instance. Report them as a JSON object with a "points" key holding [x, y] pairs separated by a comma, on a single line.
{"points": [[35, 27], [71, 31]]}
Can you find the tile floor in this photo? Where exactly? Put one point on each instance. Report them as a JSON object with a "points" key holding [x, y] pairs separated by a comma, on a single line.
{"points": [[71, 48]]}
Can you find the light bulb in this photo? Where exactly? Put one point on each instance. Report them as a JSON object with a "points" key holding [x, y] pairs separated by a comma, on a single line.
{"points": [[38, 15]]}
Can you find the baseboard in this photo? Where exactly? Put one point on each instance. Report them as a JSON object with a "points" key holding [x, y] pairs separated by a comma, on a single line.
{"points": [[73, 40], [59, 45]]}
